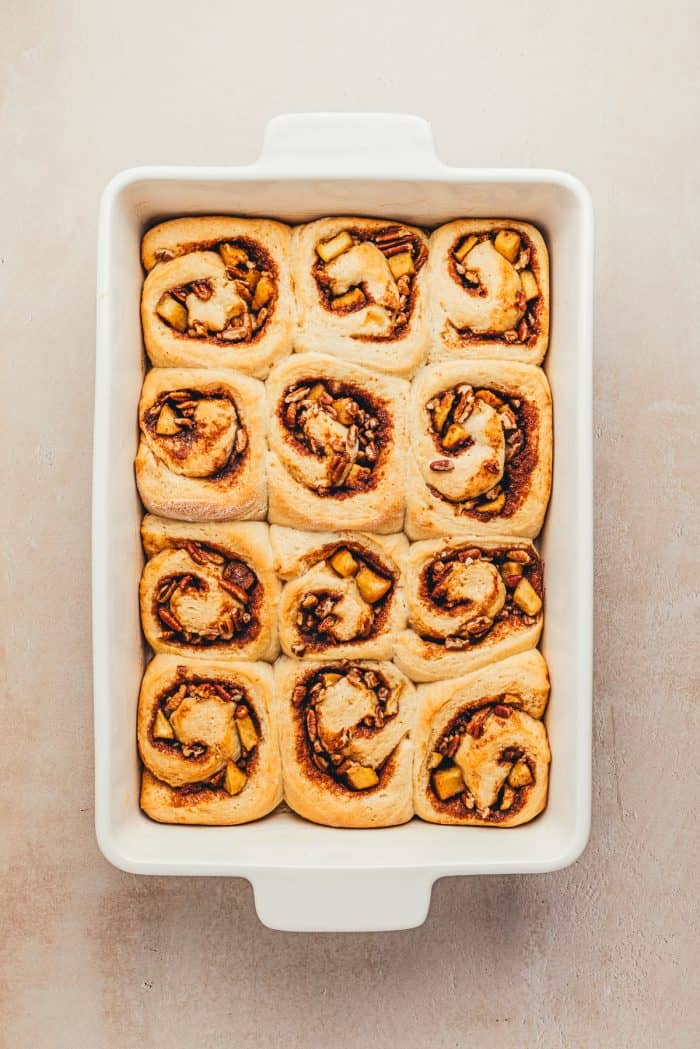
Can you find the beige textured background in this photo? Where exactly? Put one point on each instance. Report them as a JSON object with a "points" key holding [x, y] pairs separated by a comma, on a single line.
{"points": [[599, 955]]}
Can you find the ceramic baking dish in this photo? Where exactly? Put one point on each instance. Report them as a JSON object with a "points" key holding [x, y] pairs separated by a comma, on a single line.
{"points": [[307, 877]]}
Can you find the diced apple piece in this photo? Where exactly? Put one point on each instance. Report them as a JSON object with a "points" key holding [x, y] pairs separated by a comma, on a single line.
{"points": [[251, 278], [246, 732], [493, 506], [331, 678], [520, 774], [527, 598], [345, 409], [489, 398], [511, 568], [316, 391], [442, 410], [344, 563], [360, 777], [465, 247], [507, 243], [401, 265], [330, 249], [264, 291], [173, 313], [448, 782], [162, 729], [507, 799], [167, 422], [435, 759], [372, 587], [233, 257], [456, 435], [235, 779], [530, 289], [350, 300]]}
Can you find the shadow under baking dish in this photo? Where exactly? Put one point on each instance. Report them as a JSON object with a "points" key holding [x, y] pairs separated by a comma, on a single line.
{"points": [[307, 876]]}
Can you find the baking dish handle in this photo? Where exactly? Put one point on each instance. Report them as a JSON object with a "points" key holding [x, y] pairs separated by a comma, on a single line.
{"points": [[373, 144], [341, 901]]}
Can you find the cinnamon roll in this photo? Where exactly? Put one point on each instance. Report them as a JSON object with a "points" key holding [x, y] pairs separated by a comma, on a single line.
{"points": [[209, 590], [343, 594], [202, 450], [344, 735], [481, 450], [470, 602], [337, 446], [218, 294], [482, 754], [489, 288], [360, 292], [207, 743]]}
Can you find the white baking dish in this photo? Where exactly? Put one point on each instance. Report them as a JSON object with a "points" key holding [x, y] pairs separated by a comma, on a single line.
{"points": [[307, 877]]}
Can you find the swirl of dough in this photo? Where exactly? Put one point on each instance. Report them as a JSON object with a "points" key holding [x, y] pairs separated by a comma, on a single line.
{"points": [[482, 754], [191, 732], [194, 434], [469, 602]]}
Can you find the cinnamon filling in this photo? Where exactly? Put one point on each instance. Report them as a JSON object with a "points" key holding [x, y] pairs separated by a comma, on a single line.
{"points": [[359, 268], [213, 725], [217, 601], [471, 773], [482, 589], [342, 427], [235, 305], [459, 419], [341, 714], [469, 257]]}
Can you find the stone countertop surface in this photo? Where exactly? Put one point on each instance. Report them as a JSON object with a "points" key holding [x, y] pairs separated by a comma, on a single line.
{"points": [[601, 954]]}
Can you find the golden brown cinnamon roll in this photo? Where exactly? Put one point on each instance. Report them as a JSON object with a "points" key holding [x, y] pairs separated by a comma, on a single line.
{"points": [[481, 450], [489, 288], [482, 755], [360, 292], [202, 450], [344, 735], [337, 454], [209, 590], [343, 595], [218, 294], [470, 602], [207, 743]]}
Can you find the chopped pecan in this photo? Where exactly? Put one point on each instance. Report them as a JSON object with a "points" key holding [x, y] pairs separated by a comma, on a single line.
{"points": [[235, 590], [237, 572], [202, 289], [169, 619], [479, 626], [166, 591], [442, 465], [195, 552]]}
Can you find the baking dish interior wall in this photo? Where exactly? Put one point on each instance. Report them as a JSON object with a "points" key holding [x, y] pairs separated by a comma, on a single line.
{"points": [[553, 208]]}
